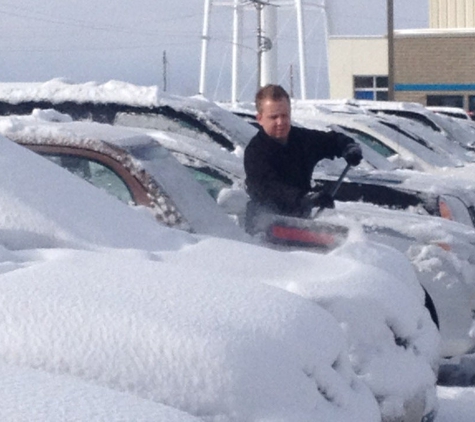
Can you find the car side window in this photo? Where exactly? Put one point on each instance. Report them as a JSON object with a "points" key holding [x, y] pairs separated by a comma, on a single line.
{"points": [[95, 173]]}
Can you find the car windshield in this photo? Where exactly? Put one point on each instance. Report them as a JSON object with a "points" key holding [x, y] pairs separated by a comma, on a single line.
{"points": [[95, 173]]}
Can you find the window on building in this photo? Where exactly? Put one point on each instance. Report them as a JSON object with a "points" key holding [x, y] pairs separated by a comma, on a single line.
{"points": [[445, 100], [471, 106], [370, 87], [471, 103]]}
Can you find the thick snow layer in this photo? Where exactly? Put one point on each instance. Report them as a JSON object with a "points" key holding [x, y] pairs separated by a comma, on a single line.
{"points": [[57, 90], [178, 335], [31, 395]]}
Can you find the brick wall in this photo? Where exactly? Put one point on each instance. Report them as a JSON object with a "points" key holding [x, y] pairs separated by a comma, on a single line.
{"points": [[452, 13], [434, 59]]}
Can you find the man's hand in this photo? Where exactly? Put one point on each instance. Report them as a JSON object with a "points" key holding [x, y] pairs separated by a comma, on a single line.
{"points": [[352, 154], [317, 199]]}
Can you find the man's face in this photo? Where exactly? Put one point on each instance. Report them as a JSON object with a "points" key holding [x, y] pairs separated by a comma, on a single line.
{"points": [[274, 118]]}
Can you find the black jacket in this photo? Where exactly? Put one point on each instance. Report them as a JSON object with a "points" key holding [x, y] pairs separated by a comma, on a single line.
{"points": [[278, 176]]}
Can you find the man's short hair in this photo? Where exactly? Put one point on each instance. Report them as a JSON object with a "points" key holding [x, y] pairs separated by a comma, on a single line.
{"points": [[270, 92]]}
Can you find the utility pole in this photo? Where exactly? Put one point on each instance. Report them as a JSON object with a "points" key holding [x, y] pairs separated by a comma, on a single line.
{"points": [[259, 4], [301, 43], [204, 47], [291, 77], [237, 29], [165, 66], [267, 40], [264, 42], [390, 16], [259, 7]]}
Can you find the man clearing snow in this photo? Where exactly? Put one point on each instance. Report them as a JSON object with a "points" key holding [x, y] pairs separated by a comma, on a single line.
{"points": [[280, 158]]}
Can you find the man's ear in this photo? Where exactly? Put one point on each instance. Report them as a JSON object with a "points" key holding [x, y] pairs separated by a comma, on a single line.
{"points": [[258, 117]]}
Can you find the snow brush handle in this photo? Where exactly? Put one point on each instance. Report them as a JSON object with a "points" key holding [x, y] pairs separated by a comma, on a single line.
{"points": [[336, 187], [339, 181]]}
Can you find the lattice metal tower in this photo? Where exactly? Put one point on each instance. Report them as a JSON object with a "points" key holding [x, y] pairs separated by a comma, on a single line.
{"points": [[266, 32]]}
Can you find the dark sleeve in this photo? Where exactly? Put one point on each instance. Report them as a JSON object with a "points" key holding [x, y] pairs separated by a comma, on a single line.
{"points": [[264, 184], [321, 144]]}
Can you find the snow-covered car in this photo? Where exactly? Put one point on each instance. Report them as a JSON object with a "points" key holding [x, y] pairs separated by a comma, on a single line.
{"points": [[456, 112], [441, 251], [387, 137], [126, 104], [190, 337], [371, 290], [416, 192], [456, 130]]}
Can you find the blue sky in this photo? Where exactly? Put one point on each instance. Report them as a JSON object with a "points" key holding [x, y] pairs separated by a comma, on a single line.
{"points": [[128, 39]]}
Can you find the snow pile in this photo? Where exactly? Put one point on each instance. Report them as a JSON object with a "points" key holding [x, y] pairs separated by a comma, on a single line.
{"points": [[32, 395], [59, 90], [388, 330], [178, 335]]}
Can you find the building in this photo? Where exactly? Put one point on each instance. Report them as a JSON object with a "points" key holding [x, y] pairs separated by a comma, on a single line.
{"points": [[452, 14], [433, 66]]}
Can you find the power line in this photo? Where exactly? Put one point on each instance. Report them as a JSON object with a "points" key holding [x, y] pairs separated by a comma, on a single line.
{"points": [[84, 24], [89, 48]]}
